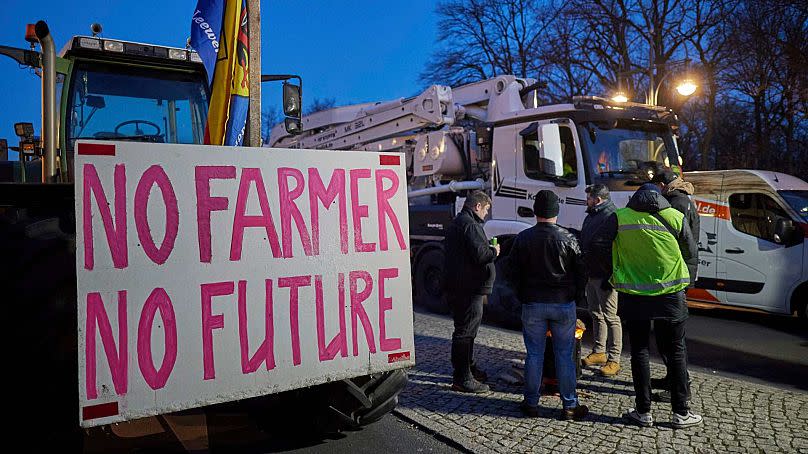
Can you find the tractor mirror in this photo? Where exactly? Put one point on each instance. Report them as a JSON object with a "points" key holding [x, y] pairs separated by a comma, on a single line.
{"points": [[96, 102], [292, 126], [291, 100]]}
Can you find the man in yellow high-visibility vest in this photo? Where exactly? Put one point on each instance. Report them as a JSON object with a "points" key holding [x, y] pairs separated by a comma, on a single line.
{"points": [[650, 248]]}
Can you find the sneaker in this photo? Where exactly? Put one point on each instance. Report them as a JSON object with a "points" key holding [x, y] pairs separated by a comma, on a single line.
{"points": [[471, 386], [659, 383], [594, 359], [610, 369], [531, 411], [478, 374], [684, 421], [641, 419], [575, 413]]}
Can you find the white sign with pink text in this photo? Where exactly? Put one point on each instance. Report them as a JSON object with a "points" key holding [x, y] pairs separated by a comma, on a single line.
{"points": [[211, 274]]}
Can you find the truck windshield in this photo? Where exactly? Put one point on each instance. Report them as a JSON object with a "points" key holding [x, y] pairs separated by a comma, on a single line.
{"points": [[798, 200], [630, 151], [113, 102]]}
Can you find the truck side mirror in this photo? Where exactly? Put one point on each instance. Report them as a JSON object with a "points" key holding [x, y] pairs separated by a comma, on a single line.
{"points": [[784, 231], [550, 149]]}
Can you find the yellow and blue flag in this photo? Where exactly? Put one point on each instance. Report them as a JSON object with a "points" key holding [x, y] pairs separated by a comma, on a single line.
{"points": [[230, 84]]}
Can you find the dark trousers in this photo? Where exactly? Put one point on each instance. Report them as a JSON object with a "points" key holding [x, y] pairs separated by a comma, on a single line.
{"points": [[671, 336], [467, 311], [665, 354]]}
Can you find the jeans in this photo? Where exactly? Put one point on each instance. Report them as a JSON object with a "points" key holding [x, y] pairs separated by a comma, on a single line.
{"points": [[671, 336], [606, 326], [467, 311], [560, 318]]}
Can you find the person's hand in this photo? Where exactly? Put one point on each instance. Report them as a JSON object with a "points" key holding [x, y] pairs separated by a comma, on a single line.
{"points": [[496, 248]]}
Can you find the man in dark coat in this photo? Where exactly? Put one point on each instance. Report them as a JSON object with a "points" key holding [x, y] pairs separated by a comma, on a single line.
{"points": [[469, 276], [546, 270], [597, 234], [677, 192]]}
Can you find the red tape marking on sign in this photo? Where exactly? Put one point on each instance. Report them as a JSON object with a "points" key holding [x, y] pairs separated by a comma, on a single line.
{"points": [[96, 149], [99, 411], [396, 357], [389, 160]]}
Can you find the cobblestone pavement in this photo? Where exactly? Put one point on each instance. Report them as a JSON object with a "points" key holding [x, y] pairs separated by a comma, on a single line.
{"points": [[738, 416]]}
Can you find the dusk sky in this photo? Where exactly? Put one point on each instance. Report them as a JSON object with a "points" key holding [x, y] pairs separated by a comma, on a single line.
{"points": [[352, 51]]}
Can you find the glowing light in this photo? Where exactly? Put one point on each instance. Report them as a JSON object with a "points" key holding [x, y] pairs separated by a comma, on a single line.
{"points": [[620, 97], [686, 88]]}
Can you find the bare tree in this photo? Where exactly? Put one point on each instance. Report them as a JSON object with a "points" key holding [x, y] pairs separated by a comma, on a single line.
{"points": [[484, 38], [270, 117], [320, 104]]}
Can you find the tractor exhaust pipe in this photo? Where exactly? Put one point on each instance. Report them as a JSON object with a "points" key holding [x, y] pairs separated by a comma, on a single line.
{"points": [[48, 101]]}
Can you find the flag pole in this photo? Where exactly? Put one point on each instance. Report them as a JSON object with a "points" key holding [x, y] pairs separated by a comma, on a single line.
{"points": [[253, 134]]}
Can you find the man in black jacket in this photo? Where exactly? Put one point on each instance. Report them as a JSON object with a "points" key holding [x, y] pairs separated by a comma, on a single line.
{"points": [[469, 276], [546, 270], [596, 243], [677, 192]]}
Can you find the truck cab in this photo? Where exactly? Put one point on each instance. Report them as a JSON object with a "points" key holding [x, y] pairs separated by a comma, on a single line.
{"points": [[566, 147]]}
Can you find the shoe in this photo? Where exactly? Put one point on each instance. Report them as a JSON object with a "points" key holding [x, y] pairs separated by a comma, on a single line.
{"points": [[684, 421], [594, 359], [662, 396], [610, 369], [478, 374], [641, 419], [575, 413], [471, 386], [659, 383], [529, 410]]}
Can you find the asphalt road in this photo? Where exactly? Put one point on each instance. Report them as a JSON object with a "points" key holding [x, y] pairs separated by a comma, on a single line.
{"points": [[761, 348]]}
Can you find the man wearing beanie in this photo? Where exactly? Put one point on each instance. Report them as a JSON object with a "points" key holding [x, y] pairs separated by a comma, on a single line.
{"points": [[650, 248], [546, 271]]}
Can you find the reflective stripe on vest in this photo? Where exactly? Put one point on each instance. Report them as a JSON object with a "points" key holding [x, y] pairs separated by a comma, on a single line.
{"points": [[641, 227]]}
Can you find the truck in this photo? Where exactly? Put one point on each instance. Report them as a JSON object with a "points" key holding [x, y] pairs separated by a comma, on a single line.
{"points": [[494, 135], [145, 275]]}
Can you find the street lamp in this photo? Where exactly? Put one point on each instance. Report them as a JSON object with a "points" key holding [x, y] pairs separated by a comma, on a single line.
{"points": [[685, 88]]}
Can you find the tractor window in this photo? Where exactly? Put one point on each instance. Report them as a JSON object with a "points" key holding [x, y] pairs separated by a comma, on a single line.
{"points": [[755, 214], [110, 102]]}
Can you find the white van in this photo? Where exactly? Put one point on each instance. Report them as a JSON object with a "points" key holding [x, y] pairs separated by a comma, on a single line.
{"points": [[754, 240]]}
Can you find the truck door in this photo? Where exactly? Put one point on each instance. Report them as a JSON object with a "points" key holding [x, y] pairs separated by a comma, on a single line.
{"points": [[504, 191], [534, 172], [753, 270]]}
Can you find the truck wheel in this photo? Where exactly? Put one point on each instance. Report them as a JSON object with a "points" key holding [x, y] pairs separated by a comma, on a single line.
{"points": [[40, 300], [429, 282], [357, 402]]}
